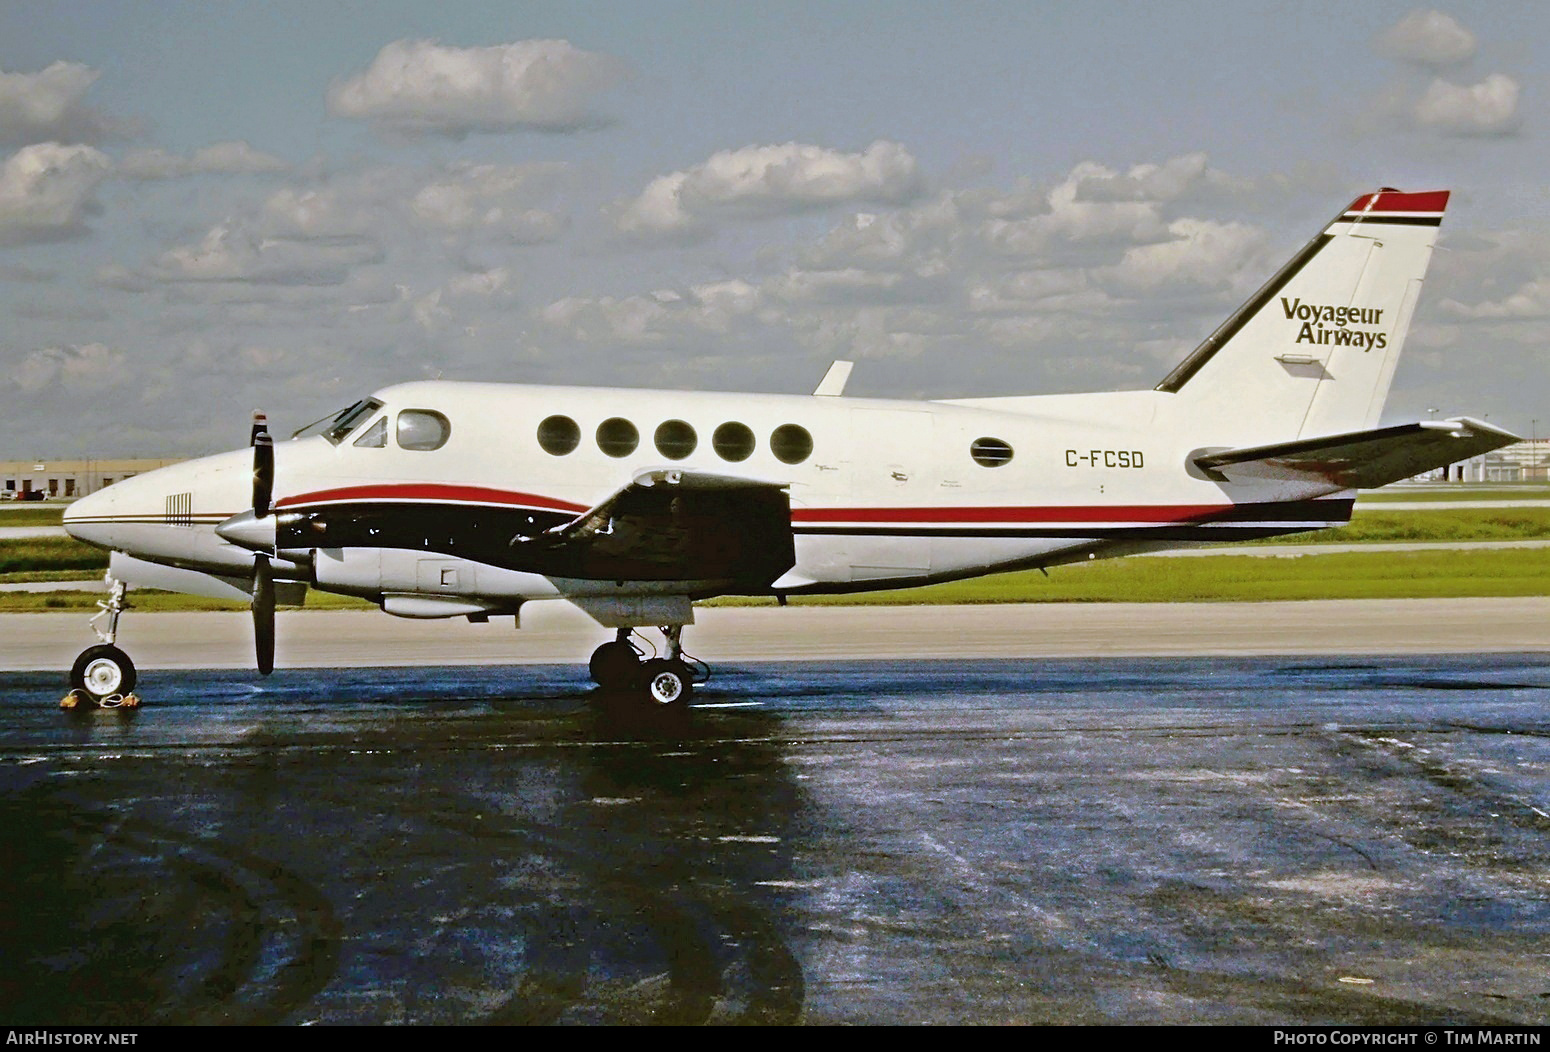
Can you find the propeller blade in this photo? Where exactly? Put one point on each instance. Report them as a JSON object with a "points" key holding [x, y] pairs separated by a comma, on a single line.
{"points": [[263, 613], [263, 465]]}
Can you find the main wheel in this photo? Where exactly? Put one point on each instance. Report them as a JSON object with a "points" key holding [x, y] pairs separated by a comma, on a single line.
{"points": [[667, 683], [614, 665], [103, 671]]}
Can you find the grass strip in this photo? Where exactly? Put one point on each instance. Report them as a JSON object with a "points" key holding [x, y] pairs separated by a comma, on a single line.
{"points": [[1427, 495], [155, 601], [1225, 578], [32, 514], [1447, 524], [47, 554], [1236, 578]]}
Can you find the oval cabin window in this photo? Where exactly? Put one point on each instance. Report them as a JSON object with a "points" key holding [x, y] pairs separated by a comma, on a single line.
{"points": [[733, 441], [791, 443], [559, 435], [990, 452], [675, 439], [617, 437]]}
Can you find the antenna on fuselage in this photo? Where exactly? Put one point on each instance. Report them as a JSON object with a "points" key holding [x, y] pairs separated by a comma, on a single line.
{"points": [[833, 383]]}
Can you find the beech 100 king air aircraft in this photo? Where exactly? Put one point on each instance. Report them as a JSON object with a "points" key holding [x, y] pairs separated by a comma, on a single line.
{"points": [[440, 499]]}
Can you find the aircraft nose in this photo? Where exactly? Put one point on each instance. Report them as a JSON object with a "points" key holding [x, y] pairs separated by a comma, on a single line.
{"points": [[89, 518]]}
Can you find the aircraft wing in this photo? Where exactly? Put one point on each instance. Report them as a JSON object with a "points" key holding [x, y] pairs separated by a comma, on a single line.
{"points": [[671, 525], [1361, 459]]}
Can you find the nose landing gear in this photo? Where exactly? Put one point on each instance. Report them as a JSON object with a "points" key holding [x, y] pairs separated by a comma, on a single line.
{"points": [[103, 676]]}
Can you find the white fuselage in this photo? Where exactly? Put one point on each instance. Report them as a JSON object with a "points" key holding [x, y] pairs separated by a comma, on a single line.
{"points": [[891, 492]]}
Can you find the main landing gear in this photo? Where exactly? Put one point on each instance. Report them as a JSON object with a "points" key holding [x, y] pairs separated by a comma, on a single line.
{"points": [[667, 681], [103, 676]]}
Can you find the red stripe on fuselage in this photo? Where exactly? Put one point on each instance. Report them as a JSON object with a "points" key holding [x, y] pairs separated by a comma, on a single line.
{"points": [[1096, 514], [1114, 513], [431, 492]]}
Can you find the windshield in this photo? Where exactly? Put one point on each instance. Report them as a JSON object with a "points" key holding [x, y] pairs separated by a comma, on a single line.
{"points": [[336, 426]]}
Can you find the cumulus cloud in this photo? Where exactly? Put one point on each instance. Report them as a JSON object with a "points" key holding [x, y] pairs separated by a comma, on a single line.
{"points": [[1428, 38], [761, 181], [222, 158], [333, 230], [231, 253], [47, 106], [1529, 301], [651, 318], [420, 86], [497, 198], [340, 208], [482, 284], [1200, 254], [1081, 279], [1487, 108], [46, 190], [1188, 175], [86, 368], [1432, 41]]}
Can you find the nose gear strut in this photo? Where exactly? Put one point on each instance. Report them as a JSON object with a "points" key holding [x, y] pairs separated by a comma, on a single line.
{"points": [[103, 676]]}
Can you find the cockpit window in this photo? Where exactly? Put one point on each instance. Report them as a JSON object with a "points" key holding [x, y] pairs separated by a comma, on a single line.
{"points": [[422, 429], [375, 436], [337, 426]]}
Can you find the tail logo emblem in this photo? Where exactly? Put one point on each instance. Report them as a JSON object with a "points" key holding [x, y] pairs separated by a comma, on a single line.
{"points": [[1325, 325]]}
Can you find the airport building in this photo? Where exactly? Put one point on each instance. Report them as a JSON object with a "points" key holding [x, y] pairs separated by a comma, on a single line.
{"points": [[23, 479], [1522, 462]]}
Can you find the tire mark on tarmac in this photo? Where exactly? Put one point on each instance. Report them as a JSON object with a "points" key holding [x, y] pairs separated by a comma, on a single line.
{"points": [[193, 930]]}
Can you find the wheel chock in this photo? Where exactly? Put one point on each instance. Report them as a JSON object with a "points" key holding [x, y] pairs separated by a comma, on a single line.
{"points": [[80, 701]]}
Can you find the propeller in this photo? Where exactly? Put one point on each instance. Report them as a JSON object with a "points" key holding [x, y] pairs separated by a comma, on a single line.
{"points": [[255, 530], [263, 573]]}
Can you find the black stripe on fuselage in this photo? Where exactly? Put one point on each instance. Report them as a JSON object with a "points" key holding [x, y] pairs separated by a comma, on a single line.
{"points": [[475, 532], [1239, 523], [1221, 534]]}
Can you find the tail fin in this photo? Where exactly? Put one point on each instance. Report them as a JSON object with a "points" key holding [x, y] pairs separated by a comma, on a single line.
{"points": [[1313, 352]]}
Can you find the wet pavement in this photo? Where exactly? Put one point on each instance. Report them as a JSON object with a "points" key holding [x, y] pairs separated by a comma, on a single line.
{"points": [[1289, 840]]}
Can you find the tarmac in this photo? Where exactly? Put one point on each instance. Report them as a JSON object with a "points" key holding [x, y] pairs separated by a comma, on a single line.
{"points": [[556, 632], [1324, 840]]}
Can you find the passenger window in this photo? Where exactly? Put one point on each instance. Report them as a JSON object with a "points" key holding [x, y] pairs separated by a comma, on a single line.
{"points": [[675, 439], [375, 436], [990, 452], [422, 429], [559, 435], [791, 443], [733, 441], [617, 437]]}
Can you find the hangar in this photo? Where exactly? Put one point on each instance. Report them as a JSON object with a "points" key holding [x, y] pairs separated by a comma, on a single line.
{"points": [[69, 478]]}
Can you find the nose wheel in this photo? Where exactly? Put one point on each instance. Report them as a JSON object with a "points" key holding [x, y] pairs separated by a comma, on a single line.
{"points": [[103, 675]]}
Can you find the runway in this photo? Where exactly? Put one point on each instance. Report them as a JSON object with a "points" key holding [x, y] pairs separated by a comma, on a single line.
{"points": [[556, 632], [1332, 840]]}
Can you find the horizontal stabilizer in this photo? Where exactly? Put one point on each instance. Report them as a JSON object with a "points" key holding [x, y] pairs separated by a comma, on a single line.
{"points": [[1362, 459]]}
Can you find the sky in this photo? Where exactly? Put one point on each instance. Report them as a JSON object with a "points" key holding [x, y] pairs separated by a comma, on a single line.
{"points": [[207, 208]]}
